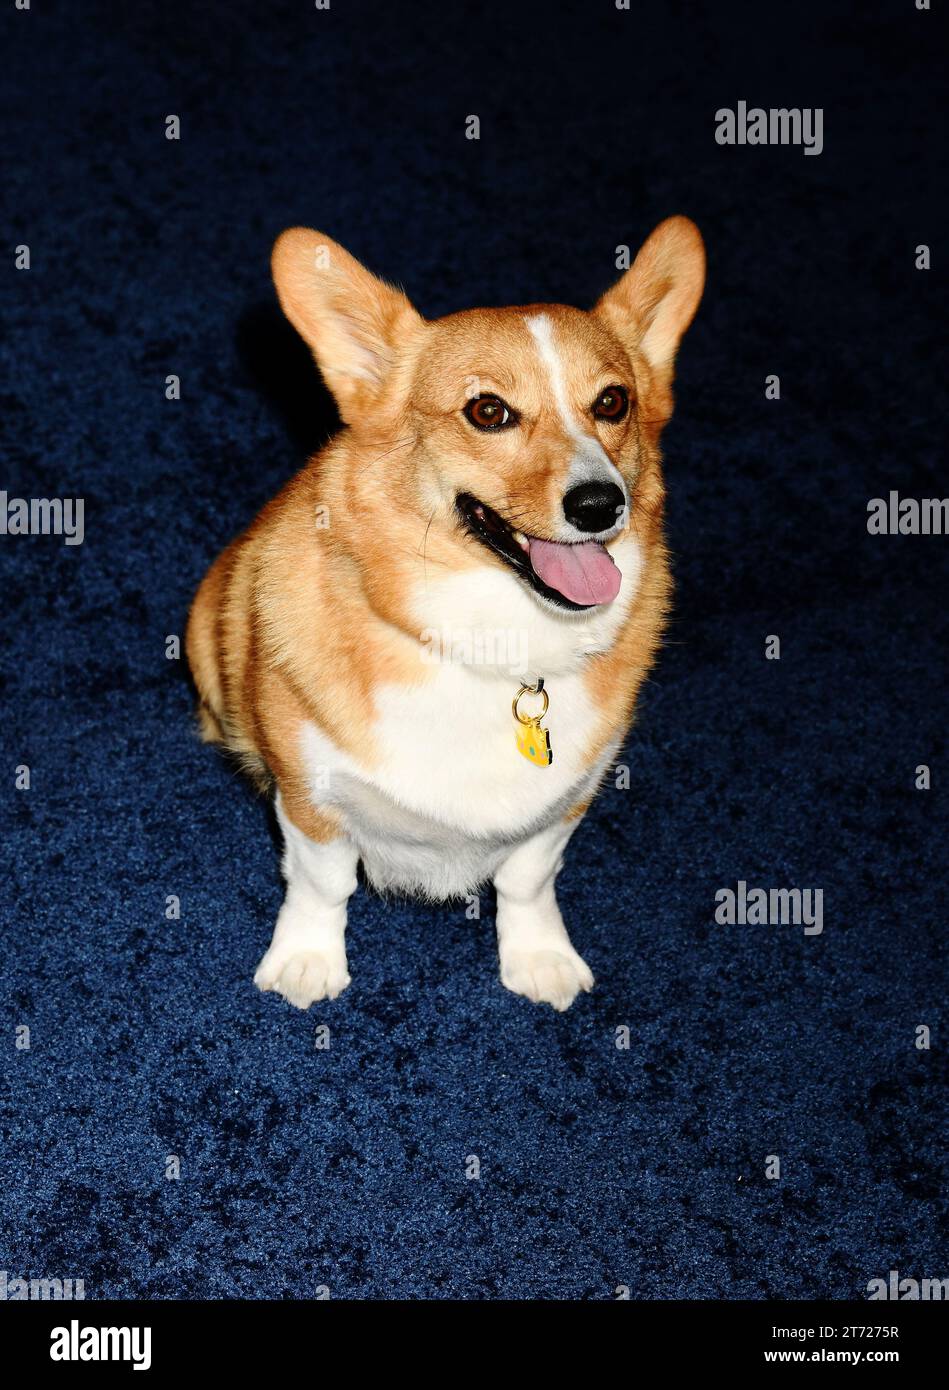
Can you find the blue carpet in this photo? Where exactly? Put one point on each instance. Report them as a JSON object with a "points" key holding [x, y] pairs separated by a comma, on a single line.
{"points": [[345, 1167]]}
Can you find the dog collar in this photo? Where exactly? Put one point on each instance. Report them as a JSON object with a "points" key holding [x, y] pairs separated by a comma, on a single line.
{"points": [[533, 741]]}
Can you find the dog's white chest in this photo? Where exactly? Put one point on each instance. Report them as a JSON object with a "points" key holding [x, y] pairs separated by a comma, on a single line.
{"points": [[451, 794], [450, 750]]}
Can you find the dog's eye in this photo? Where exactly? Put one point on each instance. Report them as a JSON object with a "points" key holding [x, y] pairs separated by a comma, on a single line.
{"points": [[489, 413], [611, 404]]}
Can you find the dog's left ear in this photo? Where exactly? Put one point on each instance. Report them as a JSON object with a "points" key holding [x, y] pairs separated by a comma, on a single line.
{"points": [[653, 304], [354, 324]]}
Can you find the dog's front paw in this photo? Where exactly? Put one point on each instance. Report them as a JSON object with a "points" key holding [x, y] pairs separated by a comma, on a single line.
{"points": [[303, 977], [546, 976]]}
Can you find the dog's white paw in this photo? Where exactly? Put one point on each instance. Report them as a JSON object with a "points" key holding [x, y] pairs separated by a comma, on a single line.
{"points": [[546, 976], [303, 977]]}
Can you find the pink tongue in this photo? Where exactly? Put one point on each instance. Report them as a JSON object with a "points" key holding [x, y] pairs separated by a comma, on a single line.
{"points": [[582, 573]]}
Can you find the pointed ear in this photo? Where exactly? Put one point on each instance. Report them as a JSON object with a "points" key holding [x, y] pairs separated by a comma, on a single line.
{"points": [[653, 304], [353, 323]]}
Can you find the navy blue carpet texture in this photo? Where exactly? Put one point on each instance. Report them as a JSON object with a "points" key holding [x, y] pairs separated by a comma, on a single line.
{"points": [[740, 1109]]}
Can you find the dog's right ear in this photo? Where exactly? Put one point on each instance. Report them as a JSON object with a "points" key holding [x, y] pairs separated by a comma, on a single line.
{"points": [[353, 323], [650, 307]]}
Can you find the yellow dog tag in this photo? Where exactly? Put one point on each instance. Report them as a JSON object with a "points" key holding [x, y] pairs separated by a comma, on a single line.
{"points": [[533, 742]]}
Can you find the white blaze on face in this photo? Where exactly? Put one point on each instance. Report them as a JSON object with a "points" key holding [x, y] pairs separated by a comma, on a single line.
{"points": [[590, 462]]}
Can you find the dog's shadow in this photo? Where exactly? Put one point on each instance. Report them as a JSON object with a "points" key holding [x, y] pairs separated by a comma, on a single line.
{"points": [[279, 366]]}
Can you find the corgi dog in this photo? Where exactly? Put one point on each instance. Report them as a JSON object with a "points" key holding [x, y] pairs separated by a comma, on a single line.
{"points": [[429, 644]]}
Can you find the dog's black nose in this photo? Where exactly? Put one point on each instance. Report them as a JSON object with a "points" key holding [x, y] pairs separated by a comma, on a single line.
{"points": [[594, 506]]}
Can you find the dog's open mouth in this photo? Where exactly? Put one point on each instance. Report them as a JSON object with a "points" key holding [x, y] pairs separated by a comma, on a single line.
{"points": [[573, 576]]}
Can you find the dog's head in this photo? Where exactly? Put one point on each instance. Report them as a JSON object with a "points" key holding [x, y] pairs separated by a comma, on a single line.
{"points": [[521, 441]]}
